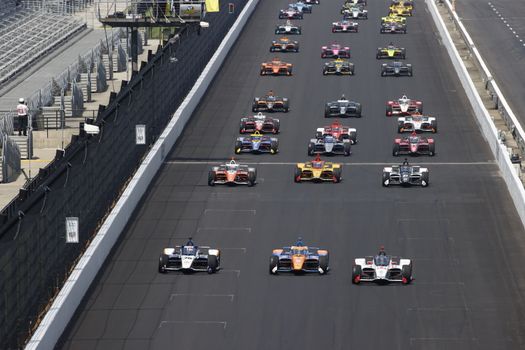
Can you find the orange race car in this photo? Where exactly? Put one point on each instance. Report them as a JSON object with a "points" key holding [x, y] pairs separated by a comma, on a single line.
{"points": [[299, 258], [276, 67]]}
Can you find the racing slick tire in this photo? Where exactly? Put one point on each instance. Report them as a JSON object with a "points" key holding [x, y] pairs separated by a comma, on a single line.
{"points": [[325, 72], [406, 274], [333, 30], [327, 112], [324, 264], [383, 73], [424, 180], [211, 178], [299, 31], [388, 112], [213, 264], [274, 147], [386, 179], [337, 175], [242, 126], [254, 107], [261, 72], [432, 149], [395, 150], [353, 137], [274, 261], [252, 177], [311, 148], [163, 261], [272, 49], [296, 48], [358, 113], [347, 150], [297, 175], [410, 73], [238, 147], [356, 274], [286, 107], [434, 126]]}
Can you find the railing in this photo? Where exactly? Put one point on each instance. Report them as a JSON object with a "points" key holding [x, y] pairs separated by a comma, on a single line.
{"points": [[500, 103], [150, 11], [10, 159]]}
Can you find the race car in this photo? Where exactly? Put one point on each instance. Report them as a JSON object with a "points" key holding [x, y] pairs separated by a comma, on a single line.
{"points": [[256, 143], [342, 108], [393, 18], [318, 170], [354, 12], [401, 10], [404, 106], [393, 28], [288, 28], [338, 67], [260, 123], [391, 51], [335, 50], [299, 258], [284, 44], [329, 145], [405, 175], [414, 145], [310, 2], [396, 69], [403, 2], [232, 173], [276, 67], [345, 26], [338, 131], [356, 2], [290, 13], [270, 103], [301, 6], [417, 123], [190, 258], [382, 268]]}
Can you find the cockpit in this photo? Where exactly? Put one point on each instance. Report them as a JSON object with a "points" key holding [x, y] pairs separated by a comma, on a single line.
{"points": [[413, 139], [381, 260], [299, 250], [189, 250]]}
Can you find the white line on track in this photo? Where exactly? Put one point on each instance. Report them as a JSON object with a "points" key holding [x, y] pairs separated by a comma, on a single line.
{"points": [[224, 324], [229, 296], [175, 162]]}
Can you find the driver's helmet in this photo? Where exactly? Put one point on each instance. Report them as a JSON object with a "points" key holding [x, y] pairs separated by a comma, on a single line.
{"points": [[381, 251], [299, 242], [405, 162], [190, 242], [343, 97]]}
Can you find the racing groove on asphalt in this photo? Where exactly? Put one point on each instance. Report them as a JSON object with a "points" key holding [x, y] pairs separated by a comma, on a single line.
{"points": [[462, 231]]}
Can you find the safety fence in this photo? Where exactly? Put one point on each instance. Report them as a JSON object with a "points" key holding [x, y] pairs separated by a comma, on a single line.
{"points": [[85, 180], [10, 159]]}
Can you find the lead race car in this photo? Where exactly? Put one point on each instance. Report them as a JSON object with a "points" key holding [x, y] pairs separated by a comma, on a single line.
{"points": [[342, 108], [417, 123], [288, 28], [284, 44], [405, 175], [393, 28], [335, 50], [414, 145], [190, 258], [403, 106], [354, 11], [276, 67], [329, 145], [338, 66], [396, 69], [382, 268], [270, 103], [299, 258], [318, 170], [290, 13], [391, 51], [345, 26], [338, 131], [256, 143], [232, 173], [260, 123], [301, 6]]}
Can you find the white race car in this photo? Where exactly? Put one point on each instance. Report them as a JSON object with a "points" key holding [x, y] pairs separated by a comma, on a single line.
{"points": [[417, 123], [382, 268], [190, 258]]}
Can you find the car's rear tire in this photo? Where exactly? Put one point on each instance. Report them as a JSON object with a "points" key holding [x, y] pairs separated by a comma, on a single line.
{"points": [[424, 179], [213, 263], [311, 148], [353, 137], [163, 262], [356, 274], [211, 178], [434, 126], [389, 111], [432, 149], [395, 150], [274, 262], [337, 175], [324, 264], [347, 149], [327, 112], [406, 273], [238, 147], [297, 175], [252, 177], [386, 179]]}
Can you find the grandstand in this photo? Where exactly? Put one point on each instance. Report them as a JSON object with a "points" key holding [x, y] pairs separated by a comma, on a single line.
{"points": [[28, 31]]}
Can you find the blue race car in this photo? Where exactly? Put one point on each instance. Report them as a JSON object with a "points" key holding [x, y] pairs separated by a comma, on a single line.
{"points": [[301, 6], [256, 143]]}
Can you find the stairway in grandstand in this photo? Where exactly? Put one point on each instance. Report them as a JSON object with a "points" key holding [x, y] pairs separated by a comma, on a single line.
{"points": [[27, 34]]}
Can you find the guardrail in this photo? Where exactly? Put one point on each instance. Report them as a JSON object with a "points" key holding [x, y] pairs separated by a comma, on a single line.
{"points": [[500, 103], [85, 271], [508, 172]]}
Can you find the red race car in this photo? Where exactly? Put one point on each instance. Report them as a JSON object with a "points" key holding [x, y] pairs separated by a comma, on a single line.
{"points": [[259, 122], [232, 173], [404, 106], [335, 50], [414, 145], [338, 132]]}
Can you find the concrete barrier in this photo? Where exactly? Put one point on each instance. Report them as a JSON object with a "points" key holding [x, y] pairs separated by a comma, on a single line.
{"points": [[71, 294], [488, 128]]}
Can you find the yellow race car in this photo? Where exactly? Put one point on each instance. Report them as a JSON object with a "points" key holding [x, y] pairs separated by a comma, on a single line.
{"points": [[401, 10], [318, 170], [393, 18]]}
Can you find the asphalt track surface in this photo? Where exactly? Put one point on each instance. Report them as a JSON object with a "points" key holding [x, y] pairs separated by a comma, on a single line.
{"points": [[498, 30], [462, 231]]}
